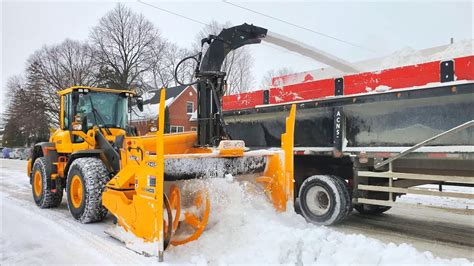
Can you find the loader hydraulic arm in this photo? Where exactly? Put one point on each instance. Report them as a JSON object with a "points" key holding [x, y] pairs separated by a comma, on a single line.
{"points": [[211, 80]]}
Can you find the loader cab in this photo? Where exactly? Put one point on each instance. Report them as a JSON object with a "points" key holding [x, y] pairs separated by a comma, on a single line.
{"points": [[83, 108]]}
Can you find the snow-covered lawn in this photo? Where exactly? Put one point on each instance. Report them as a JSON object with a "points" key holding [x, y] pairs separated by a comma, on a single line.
{"points": [[243, 228]]}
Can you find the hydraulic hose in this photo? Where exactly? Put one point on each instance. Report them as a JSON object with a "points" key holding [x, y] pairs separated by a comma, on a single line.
{"points": [[179, 64]]}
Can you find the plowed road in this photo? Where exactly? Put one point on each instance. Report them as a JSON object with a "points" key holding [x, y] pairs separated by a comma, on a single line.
{"points": [[447, 235]]}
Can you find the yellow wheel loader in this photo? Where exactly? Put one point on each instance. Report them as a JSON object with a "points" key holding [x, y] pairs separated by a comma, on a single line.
{"points": [[96, 158]]}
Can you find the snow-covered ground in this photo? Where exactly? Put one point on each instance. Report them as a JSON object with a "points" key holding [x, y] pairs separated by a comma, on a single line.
{"points": [[446, 202], [243, 228]]}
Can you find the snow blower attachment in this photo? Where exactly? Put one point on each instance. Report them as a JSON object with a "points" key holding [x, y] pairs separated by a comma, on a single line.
{"points": [[155, 211], [136, 196]]}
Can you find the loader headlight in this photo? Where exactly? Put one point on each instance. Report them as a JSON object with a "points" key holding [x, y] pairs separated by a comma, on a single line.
{"points": [[153, 129], [76, 127]]}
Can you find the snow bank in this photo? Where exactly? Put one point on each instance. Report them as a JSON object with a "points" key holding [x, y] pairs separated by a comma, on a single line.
{"points": [[243, 228]]}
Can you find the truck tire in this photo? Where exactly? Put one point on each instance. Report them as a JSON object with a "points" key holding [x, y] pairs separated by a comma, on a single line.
{"points": [[44, 197], [86, 181], [370, 209], [324, 200]]}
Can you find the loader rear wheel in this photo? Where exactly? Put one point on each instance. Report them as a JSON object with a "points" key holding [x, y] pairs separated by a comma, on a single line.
{"points": [[85, 183], [44, 197], [324, 200]]}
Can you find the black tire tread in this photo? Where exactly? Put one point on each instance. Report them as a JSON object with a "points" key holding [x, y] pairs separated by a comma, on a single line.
{"points": [[49, 199], [346, 197], [341, 191], [95, 176]]}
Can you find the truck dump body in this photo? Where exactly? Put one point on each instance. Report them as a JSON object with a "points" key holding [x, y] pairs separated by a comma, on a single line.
{"points": [[395, 118], [414, 103]]}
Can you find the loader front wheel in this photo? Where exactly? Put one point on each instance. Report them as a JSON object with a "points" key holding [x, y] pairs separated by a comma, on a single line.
{"points": [[324, 200], [85, 183], [44, 197]]}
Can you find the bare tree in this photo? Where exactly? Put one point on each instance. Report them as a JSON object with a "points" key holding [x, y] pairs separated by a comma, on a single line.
{"points": [[166, 56], [269, 75], [124, 42], [238, 63], [57, 67], [67, 64]]}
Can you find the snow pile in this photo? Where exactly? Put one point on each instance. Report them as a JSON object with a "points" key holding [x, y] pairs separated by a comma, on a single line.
{"points": [[403, 57], [410, 56], [244, 228]]}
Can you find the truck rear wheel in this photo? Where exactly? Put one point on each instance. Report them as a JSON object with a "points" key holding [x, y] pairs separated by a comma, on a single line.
{"points": [[371, 209], [86, 181], [324, 200], [44, 197]]}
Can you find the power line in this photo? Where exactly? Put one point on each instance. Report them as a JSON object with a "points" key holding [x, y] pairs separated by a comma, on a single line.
{"points": [[298, 26], [199, 22], [173, 13]]}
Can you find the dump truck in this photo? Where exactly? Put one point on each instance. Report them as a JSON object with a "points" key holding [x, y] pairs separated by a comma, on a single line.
{"points": [[382, 133]]}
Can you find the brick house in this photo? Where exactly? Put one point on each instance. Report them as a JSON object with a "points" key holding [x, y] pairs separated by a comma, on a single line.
{"points": [[181, 102]]}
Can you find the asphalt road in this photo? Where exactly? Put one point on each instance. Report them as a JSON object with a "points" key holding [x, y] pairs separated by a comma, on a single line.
{"points": [[445, 234]]}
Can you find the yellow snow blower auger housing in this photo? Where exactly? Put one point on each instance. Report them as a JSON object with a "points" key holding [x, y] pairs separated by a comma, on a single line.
{"points": [[137, 195], [103, 166]]}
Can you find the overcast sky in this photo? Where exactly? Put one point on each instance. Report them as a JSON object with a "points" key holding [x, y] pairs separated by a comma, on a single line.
{"points": [[382, 26]]}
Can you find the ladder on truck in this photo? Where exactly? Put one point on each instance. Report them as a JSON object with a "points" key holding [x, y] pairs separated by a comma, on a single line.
{"points": [[391, 189]]}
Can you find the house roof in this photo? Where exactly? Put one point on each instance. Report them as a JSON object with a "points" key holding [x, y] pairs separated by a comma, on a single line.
{"points": [[172, 92], [152, 101]]}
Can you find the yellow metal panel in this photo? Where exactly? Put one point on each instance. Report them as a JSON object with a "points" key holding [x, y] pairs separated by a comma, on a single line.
{"points": [[61, 113], [70, 89]]}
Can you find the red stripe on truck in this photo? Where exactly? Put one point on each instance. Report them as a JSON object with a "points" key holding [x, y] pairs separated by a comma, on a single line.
{"points": [[464, 68], [395, 78], [303, 91], [242, 101]]}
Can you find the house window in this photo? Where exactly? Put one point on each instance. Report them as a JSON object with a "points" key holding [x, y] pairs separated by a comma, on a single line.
{"points": [[176, 129], [194, 129], [189, 107]]}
